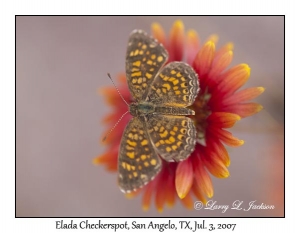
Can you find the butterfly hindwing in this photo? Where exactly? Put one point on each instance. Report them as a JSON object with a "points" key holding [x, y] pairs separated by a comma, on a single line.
{"points": [[138, 161], [173, 137]]}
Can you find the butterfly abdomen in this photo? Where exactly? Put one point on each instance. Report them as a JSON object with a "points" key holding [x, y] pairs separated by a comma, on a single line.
{"points": [[168, 110]]}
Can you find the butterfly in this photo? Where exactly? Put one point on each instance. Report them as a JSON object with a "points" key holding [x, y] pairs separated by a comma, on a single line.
{"points": [[159, 127]]}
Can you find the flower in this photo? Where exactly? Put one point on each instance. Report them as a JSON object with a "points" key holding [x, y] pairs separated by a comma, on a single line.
{"points": [[218, 106]]}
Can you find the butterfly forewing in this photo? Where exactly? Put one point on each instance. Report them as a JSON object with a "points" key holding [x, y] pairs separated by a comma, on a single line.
{"points": [[144, 58]]}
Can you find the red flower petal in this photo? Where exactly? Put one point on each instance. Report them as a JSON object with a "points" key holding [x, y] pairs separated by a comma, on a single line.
{"points": [[227, 47], [160, 196], [122, 79], [188, 201], [220, 63], [192, 45], [108, 157], [158, 33], [215, 166], [176, 41], [184, 178], [112, 167], [204, 59], [198, 192], [232, 80], [244, 95], [244, 109], [147, 196], [170, 185], [202, 178], [170, 189], [218, 149], [226, 137], [223, 119]]}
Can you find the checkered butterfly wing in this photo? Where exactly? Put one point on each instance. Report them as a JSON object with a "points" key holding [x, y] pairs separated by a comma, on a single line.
{"points": [[138, 161], [176, 85], [173, 136], [144, 58]]}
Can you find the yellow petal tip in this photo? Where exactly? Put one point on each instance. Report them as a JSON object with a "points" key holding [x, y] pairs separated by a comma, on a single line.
{"points": [[145, 208], [155, 26], [261, 89], [226, 175], [178, 24], [230, 46], [246, 67], [259, 108], [160, 210], [210, 43], [238, 118], [129, 195], [182, 195], [96, 161], [242, 142], [192, 33], [227, 164], [210, 195]]}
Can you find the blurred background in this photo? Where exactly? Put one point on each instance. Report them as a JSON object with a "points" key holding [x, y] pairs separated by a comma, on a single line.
{"points": [[62, 61]]}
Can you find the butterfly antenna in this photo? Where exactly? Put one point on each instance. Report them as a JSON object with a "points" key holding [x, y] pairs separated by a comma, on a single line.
{"points": [[108, 74], [114, 126]]}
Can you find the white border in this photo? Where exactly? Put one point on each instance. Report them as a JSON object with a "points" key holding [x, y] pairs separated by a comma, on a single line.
{"points": [[10, 8]]}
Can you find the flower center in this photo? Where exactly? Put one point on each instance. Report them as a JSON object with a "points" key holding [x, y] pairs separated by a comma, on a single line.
{"points": [[202, 111]]}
